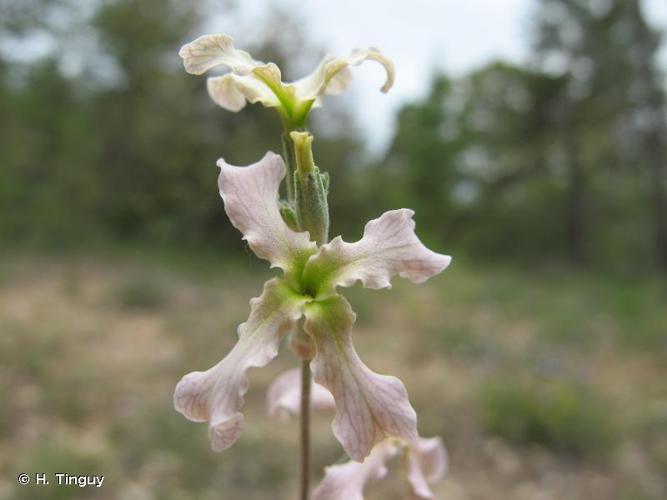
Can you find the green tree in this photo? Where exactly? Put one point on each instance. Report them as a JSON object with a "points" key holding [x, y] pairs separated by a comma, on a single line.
{"points": [[646, 115], [613, 100], [472, 156], [125, 148], [419, 169]]}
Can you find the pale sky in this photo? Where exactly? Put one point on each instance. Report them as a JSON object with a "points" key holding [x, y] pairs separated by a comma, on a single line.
{"points": [[418, 35]]}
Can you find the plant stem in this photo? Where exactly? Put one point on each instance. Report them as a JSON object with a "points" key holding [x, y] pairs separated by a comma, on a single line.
{"points": [[290, 161], [321, 235], [305, 428]]}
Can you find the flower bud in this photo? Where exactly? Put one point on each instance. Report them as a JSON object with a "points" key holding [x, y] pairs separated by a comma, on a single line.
{"points": [[311, 190]]}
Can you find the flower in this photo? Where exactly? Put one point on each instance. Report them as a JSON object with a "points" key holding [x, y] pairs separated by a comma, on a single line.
{"points": [[369, 407], [254, 81], [424, 461], [284, 396]]}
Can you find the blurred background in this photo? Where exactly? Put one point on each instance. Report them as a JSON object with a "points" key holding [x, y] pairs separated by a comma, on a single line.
{"points": [[530, 136]]}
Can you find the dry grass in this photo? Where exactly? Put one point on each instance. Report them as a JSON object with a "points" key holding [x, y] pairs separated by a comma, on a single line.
{"points": [[90, 350]]}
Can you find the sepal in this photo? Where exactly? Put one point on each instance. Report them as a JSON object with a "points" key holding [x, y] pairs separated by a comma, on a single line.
{"points": [[288, 214]]}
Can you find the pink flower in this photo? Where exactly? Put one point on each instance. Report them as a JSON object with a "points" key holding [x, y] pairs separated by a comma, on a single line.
{"points": [[369, 407], [257, 82], [424, 462]]}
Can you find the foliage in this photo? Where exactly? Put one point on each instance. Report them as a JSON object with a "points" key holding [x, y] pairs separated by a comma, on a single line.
{"points": [[542, 163], [556, 414], [141, 292]]}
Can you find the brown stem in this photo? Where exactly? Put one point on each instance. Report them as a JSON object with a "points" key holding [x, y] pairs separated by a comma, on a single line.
{"points": [[305, 428]]}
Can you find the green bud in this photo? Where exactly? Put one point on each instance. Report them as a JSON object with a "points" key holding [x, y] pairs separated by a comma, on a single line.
{"points": [[310, 185], [311, 205], [288, 214]]}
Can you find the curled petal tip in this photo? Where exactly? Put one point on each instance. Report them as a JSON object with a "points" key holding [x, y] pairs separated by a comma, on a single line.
{"points": [[332, 76], [427, 463], [376, 55], [433, 456], [225, 433]]}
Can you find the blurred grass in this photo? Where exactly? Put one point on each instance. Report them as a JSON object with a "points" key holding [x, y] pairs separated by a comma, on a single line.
{"points": [[562, 416], [141, 292], [524, 373]]}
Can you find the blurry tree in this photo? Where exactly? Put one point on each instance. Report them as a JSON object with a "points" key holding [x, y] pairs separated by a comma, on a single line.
{"points": [[646, 114], [419, 167], [507, 186], [124, 147], [471, 157], [555, 160], [613, 101]]}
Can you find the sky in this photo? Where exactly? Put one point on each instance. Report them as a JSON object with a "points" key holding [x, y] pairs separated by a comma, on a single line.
{"points": [[419, 36]]}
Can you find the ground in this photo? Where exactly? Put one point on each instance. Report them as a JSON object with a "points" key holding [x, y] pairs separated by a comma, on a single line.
{"points": [[544, 384]]}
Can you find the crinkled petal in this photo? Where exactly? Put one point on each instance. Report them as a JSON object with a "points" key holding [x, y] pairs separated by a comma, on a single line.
{"points": [[389, 247], [332, 76], [216, 395], [254, 81], [284, 396], [209, 51], [369, 407], [251, 202], [346, 481], [427, 463], [249, 80]]}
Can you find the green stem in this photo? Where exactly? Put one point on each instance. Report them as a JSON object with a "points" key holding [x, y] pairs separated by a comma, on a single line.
{"points": [[290, 160], [305, 428]]}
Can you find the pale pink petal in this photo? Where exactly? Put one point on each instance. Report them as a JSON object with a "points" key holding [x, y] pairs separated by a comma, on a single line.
{"points": [[389, 247], [251, 202], [284, 396], [209, 51], [369, 407], [216, 395], [346, 481], [427, 463]]}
